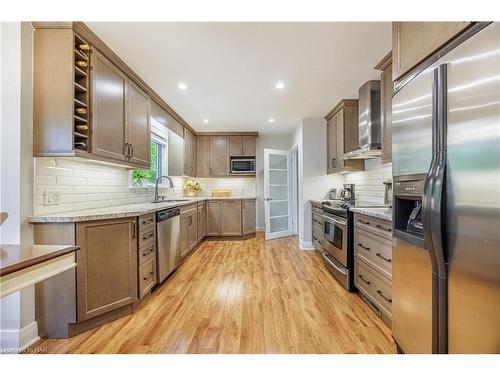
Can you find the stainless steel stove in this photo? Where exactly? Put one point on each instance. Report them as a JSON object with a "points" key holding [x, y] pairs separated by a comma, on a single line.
{"points": [[338, 233]]}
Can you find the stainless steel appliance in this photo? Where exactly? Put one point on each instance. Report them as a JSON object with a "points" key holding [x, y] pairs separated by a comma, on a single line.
{"points": [[242, 165], [338, 235], [446, 207], [369, 131], [168, 241]]}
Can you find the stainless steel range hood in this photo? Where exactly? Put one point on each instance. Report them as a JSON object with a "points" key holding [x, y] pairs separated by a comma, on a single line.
{"points": [[369, 123]]}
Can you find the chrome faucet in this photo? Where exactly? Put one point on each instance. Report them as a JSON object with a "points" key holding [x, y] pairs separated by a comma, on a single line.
{"points": [[157, 198]]}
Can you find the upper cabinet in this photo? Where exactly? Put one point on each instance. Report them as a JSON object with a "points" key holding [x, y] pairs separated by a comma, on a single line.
{"points": [[342, 137], [138, 125], [219, 155], [413, 42], [189, 153], [386, 91], [242, 145], [202, 156]]}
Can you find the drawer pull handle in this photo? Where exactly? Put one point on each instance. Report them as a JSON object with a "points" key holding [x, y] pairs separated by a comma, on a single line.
{"points": [[363, 222], [145, 222], [364, 280], [384, 258], [148, 276], [379, 292], [364, 247], [151, 249], [149, 235], [386, 229]]}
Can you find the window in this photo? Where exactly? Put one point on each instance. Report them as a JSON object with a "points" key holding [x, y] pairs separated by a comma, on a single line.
{"points": [[147, 177]]}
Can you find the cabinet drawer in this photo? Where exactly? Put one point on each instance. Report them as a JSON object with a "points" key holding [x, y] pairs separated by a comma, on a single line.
{"points": [[316, 208], [374, 250], [147, 252], [317, 222], [147, 277], [317, 239], [188, 210], [378, 226], [373, 285], [146, 237], [146, 222]]}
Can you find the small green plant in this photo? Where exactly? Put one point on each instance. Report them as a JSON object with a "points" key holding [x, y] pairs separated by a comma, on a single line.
{"points": [[141, 176]]}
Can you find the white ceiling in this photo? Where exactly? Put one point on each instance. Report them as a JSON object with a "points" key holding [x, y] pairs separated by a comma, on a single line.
{"points": [[231, 68]]}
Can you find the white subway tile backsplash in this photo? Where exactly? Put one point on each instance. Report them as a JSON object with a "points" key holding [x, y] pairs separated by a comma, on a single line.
{"points": [[83, 184], [369, 183]]}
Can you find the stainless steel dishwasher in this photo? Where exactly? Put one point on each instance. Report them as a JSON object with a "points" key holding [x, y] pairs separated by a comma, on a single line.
{"points": [[168, 237]]}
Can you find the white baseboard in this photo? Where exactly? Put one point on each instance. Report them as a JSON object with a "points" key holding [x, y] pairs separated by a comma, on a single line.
{"points": [[15, 340], [260, 229], [306, 245]]}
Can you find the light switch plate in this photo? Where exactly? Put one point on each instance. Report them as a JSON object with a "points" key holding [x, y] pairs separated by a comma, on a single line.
{"points": [[51, 197]]}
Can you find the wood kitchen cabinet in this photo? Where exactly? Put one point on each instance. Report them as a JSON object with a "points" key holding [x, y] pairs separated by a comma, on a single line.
{"points": [[242, 145], [342, 137], [189, 231], [219, 155], [248, 216], [189, 153], [106, 266], [138, 137], [413, 42], [213, 218], [203, 156], [230, 222], [201, 218], [386, 92]]}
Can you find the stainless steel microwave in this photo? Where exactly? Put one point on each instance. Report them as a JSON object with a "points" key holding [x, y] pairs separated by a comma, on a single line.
{"points": [[242, 166]]}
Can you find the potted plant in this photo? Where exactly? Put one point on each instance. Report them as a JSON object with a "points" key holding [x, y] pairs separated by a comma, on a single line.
{"points": [[191, 187]]}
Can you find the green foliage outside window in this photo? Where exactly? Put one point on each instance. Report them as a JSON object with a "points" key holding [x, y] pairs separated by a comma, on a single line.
{"points": [[142, 176]]}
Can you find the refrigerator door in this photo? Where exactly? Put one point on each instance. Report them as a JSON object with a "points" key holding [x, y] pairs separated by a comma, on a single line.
{"points": [[473, 193], [412, 126], [414, 324]]}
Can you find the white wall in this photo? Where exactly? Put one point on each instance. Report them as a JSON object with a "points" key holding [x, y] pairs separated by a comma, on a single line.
{"points": [[17, 321], [274, 142]]}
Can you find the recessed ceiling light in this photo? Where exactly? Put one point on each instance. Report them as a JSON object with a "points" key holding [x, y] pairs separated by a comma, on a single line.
{"points": [[205, 121], [182, 86], [271, 120], [280, 85]]}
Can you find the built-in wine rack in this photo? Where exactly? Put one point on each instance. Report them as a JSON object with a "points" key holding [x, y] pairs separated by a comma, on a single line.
{"points": [[81, 123]]}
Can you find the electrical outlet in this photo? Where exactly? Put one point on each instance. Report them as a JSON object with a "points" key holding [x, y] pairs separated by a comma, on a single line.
{"points": [[51, 197]]}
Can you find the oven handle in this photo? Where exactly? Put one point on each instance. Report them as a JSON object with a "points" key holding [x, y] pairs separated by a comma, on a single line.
{"points": [[340, 270], [334, 221]]}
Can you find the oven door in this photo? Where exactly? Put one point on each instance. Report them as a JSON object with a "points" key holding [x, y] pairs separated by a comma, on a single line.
{"points": [[335, 235]]}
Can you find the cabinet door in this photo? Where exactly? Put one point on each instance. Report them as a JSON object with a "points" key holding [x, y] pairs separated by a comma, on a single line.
{"points": [[213, 218], [109, 86], [219, 155], [339, 139], [386, 90], [138, 126], [248, 216], [230, 218], [189, 153], [249, 145], [202, 156], [193, 230], [331, 145], [201, 221], [412, 42], [236, 145], [106, 266], [184, 235]]}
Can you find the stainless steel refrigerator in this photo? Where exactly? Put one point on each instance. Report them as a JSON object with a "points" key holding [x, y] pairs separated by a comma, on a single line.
{"points": [[446, 173]]}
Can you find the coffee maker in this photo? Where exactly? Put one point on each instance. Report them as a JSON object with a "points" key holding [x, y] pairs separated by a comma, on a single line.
{"points": [[348, 194]]}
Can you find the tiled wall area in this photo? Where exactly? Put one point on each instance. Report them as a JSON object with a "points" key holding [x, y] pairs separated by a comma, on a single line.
{"points": [[84, 184], [369, 183]]}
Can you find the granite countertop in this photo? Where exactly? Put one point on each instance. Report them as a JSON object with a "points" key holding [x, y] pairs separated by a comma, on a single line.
{"points": [[128, 210], [380, 212], [15, 258]]}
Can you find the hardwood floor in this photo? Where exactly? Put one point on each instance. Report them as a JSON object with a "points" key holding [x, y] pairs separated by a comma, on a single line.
{"points": [[248, 296]]}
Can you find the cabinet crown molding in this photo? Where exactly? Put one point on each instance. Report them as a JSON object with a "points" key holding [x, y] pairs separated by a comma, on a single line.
{"points": [[343, 103]]}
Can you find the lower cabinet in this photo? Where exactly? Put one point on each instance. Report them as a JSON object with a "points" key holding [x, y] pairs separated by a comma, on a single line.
{"points": [[230, 222], [189, 231], [373, 264], [317, 226], [213, 218], [248, 216], [107, 266], [146, 253], [201, 225]]}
